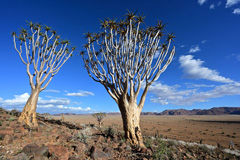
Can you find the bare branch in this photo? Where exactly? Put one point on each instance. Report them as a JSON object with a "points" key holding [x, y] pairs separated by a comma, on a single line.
{"points": [[128, 53]]}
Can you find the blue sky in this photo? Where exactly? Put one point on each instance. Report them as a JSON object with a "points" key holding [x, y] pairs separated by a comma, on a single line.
{"points": [[203, 74]]}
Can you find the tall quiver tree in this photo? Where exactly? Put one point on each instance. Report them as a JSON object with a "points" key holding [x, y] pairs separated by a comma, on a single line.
{"points": [[124, 58], [44, 55]]}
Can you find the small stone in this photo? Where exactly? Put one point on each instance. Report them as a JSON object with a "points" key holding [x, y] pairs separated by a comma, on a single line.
{"points": [[123, 145], [2, 151], [78, 157], [7, 131], [7, 140], [143, 150], [99, 138], [63, 138], [115, 145]]}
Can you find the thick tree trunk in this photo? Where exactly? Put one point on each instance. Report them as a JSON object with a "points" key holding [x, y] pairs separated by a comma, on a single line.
{"points": [[131, 123], [28, 114]]}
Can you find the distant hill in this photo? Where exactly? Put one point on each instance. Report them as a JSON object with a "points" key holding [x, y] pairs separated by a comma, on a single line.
{"points": [[67, 114], [212, 111]]}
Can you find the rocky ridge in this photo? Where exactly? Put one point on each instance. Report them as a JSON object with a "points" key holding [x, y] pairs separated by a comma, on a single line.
{"points": [[59, 140]]}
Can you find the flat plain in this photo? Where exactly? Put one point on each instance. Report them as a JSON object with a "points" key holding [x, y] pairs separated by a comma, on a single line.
{"points": [[210, 129]]}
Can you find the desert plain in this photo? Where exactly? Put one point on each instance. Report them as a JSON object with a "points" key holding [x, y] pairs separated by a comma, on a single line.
{"points": [[209, 129]]}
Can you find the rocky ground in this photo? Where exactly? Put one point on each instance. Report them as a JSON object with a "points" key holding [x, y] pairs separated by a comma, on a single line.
{"points": [[59, 140]]}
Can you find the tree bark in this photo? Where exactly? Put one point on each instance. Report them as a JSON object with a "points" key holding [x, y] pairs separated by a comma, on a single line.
{"points": [[28, 114], [131, 123]]}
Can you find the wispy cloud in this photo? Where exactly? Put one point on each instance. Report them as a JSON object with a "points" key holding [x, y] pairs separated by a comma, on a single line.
{"points": [[236, 11], [194, 49], [203, 41], [231, 3], [164, 94], [219, 3], [51, 90], [193, 69], [80, 94], [190, 85], [201, 2], [212, 6]]}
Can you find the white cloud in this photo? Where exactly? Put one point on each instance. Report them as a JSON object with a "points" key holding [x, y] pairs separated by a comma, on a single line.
{"points": [[194, 49], [73, 108], [212, 6], [182, 46], [51, 90], [62, 104], [80, 94], [201, 2], [231, 3], [193, 69], [20, 101], [164, 94], [236, 11], [218, 91], [203, 41]]}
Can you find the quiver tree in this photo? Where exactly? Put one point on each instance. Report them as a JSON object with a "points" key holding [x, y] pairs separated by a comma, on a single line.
{"points": [[99, 117], [44, 55], [124, 58]]}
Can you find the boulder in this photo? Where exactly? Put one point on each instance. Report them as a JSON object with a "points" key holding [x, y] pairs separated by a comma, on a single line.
{"points": [[42, 152], [109, 152], [30, 149], [59, 152], [81, 148], [97, 153], [21, 156]]}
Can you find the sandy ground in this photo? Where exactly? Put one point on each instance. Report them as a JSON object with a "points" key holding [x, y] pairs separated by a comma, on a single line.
{"points": [[211, 129]]}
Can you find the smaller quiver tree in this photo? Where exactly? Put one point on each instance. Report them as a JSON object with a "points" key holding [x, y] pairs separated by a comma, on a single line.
{"points": [[99, 117], [125, 57], [44, 55]]}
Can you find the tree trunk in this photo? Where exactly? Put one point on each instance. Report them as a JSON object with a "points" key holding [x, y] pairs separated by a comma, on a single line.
{"points": [[28, 114], [131, 123]]}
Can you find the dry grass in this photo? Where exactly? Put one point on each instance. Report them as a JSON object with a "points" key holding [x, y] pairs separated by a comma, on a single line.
{"points": [[211, 129]]}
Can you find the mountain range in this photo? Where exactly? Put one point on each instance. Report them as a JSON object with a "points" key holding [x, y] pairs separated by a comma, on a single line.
{"points": [[212, 111]]}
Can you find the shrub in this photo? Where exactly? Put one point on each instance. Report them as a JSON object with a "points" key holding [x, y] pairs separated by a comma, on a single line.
{"points": [[163, 151], [83, 136], [11, 118], [148, 142], [110, 132]]}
